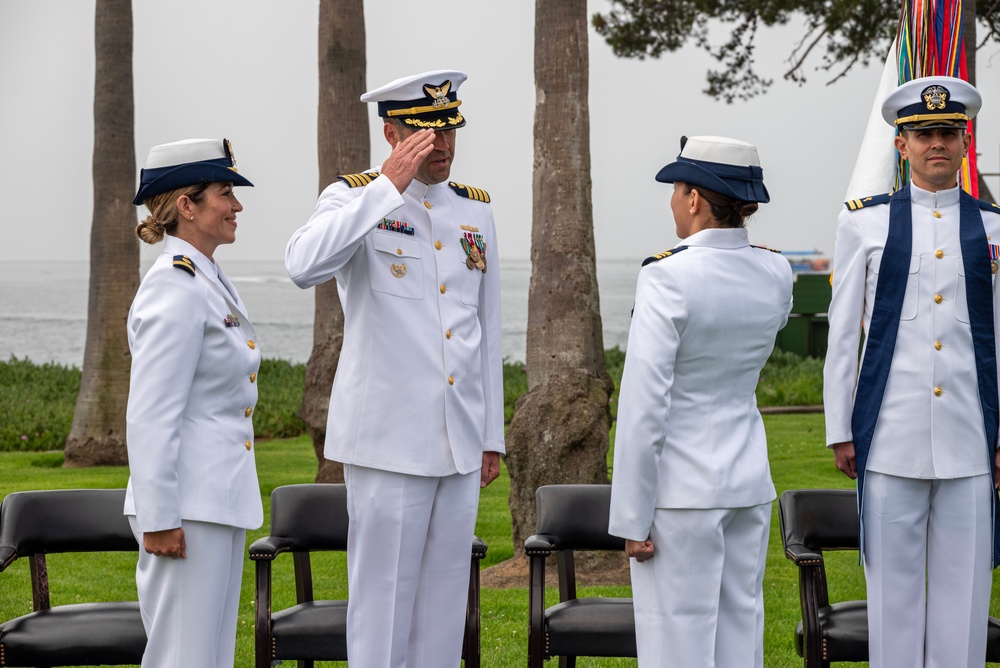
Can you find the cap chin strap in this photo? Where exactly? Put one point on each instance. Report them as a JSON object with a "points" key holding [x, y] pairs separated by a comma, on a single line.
{"points": [[916, 118]]}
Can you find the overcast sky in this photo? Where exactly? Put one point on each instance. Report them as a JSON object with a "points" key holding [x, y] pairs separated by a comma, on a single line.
{"points": [[246, 70]]}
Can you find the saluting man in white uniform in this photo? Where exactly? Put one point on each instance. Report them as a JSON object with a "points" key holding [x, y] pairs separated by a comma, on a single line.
{"points": [[915, 420], [416, 413], [192, 490], [691, 491]]}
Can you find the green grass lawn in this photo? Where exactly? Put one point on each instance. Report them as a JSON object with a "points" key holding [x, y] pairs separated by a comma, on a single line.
{"points": [[798, 459]]}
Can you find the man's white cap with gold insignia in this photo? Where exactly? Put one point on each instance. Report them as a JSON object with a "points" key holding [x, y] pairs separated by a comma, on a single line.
{"points": [[932, 102], [428, 100]]}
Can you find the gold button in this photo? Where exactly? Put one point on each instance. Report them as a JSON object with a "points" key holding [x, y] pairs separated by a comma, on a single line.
{"points": [[248, 445], [443, 289], [248, 411], [938, 299], [253, 377], [428, 205], [251, 344], [437, 244], [937, 345], [937, 214], [938, 391], [447, 334], [451, 380], [399, 251], [939, 254]]}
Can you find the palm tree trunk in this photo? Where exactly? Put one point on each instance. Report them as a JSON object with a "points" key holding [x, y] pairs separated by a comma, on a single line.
{"points": [[344, 148], [559, 433], [97, 436]]}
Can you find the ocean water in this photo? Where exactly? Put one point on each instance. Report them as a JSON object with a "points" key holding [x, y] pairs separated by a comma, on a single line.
{"points": [[43, 308]]}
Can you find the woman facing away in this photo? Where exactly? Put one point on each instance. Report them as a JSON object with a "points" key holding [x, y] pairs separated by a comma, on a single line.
{"points": [[691, 487], [192, 490]]}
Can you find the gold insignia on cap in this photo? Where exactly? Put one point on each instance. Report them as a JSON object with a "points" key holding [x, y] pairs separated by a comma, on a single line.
{"points": [[439, 94], [936, 97], [425, 124], [232, 156]]}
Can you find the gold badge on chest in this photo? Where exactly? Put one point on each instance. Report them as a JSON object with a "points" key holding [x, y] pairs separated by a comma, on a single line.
{"points": [[398, 270]]}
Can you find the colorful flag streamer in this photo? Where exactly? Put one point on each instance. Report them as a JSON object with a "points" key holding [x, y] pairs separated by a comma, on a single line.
{"points": [[930, 42]]}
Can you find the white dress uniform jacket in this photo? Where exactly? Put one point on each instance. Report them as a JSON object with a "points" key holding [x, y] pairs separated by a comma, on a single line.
{"points": [[418, 388], [689, 433], [193, 391], [930, 424]]}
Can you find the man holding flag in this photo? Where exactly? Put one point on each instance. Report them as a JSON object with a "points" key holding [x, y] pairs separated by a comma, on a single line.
{"points": [[916, 421]]}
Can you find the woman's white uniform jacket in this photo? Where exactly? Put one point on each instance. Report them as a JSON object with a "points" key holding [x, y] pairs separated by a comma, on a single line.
{"points": [[192, 394], [689, 434], [418, 388]]}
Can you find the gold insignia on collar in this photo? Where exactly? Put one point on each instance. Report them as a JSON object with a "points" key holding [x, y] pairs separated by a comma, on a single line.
{"points": [[398, 270]]}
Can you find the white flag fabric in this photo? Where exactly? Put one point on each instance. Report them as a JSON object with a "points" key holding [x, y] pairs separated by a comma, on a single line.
{"points": [[875, 169]]}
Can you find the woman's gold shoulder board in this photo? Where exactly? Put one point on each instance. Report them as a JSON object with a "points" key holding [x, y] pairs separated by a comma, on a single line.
{"points": [[664, 254], [184, 263]]}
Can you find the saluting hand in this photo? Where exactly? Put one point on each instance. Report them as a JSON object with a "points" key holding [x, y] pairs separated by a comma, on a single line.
{"points": [[843, 457], [166, 543], [640, 549], [406, 157]]}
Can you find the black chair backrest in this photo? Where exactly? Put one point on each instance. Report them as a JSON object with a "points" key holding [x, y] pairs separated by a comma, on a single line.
{"points": [[313, 516], [577, 516], [65, 520], [820, 519]]}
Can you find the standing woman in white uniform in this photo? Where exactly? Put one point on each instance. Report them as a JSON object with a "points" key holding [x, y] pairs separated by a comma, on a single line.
{"points": [[192, 490], [691, 488]]}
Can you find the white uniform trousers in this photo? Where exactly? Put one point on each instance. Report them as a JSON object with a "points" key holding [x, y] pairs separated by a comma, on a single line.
{"points": [[928, 570], [190, 606], [699, 601], [409, 547]]}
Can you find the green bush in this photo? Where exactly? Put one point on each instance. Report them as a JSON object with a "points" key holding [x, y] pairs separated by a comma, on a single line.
{"points": [[790, 380], [281, 385], [37, 403]]}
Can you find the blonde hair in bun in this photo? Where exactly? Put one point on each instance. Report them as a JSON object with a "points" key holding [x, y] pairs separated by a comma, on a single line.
{"points": [[163, 212]]}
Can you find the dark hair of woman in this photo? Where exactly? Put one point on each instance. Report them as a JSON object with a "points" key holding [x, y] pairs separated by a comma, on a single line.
{"points": [[728, 211]]}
